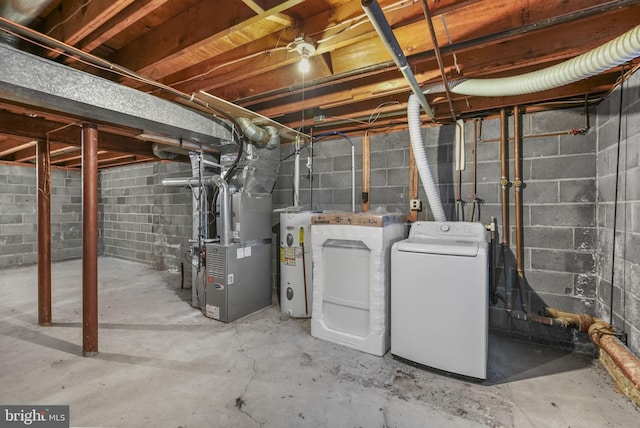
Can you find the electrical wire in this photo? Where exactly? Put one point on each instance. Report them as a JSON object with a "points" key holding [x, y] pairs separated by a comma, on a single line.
{"points": [[49, 43], [615, 207], [82, 6]]}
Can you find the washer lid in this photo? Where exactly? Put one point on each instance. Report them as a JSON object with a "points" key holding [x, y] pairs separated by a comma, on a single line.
{"points": [[439, 246]]}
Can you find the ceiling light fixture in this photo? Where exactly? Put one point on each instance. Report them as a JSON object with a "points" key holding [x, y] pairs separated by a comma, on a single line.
{"points": [[305, 48]]}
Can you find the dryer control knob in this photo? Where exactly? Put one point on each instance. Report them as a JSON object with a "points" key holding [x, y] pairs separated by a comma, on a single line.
{"points": [[445, 228]]}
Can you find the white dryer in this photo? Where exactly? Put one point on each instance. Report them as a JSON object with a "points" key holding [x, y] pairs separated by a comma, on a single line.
{"points": [[440, 297]]}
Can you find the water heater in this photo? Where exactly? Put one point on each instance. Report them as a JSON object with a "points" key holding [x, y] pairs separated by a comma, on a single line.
{"points": [[296, 283]]}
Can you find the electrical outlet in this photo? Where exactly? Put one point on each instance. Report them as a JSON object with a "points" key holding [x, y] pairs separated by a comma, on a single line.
{"points": [[415, 205]]}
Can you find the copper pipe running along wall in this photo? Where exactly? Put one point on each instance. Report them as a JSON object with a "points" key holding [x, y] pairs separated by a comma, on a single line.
{"points": [[518, 186], [504, 183], [89, 239]]}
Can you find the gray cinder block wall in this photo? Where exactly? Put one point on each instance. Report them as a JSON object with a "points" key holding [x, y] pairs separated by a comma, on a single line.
{"points": [[559, 201], [18, 215], [142, 220], [618, 148]]}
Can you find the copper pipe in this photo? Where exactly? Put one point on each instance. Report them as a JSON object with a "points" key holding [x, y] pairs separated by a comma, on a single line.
{"points": [[436, 50], [89, 239], [366, 172], [504, 182], [504, 176], [43, 149], [517, 163], [581, 322]]}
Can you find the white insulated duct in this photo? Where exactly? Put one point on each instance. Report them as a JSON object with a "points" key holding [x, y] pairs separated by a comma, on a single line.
{"points": [[420, 154], [616, 52]]}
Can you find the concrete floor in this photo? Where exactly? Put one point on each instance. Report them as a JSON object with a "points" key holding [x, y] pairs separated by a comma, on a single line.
{"points": [[162, 364]]}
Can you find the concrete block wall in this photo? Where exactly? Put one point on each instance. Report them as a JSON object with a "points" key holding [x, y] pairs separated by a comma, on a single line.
{"points": [[618, 171], [559, 229], [141, 219], [559, 170], [18, 215]]}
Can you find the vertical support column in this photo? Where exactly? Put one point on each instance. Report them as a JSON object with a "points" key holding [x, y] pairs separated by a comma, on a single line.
{"points": [[89, 239], [44, 232], [366, 172]]}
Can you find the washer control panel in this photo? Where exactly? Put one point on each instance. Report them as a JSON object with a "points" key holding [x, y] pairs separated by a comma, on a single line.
{"points": [[448, 230]]}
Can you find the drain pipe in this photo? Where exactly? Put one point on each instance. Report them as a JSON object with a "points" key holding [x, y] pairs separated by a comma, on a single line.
{"points": [[225, 200]]}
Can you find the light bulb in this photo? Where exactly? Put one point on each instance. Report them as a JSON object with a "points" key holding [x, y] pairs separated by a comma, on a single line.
{"points": [[303, 66]]}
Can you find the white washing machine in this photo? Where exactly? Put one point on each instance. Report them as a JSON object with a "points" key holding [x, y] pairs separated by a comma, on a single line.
{"points": [[440, 297]]}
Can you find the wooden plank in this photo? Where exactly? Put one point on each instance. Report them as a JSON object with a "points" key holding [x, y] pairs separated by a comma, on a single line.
{"points": [[125, 18], [13, 148], [158, 52], [329, 25], [280, 18], [413, 183], [236, 111], [74, 20], [37, 128]]}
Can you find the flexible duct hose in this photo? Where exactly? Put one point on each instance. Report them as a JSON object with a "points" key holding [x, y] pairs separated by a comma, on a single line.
{"points": [[420, 154], [616, 52], [262, 137]]}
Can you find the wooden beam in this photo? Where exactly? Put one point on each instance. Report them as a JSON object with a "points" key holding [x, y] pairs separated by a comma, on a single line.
{"points": [[413, 183], [194, 35], [280, 18], [37, 128], [125, 18], [13, 148], [74, 20], [329, 26], [553, 44]]}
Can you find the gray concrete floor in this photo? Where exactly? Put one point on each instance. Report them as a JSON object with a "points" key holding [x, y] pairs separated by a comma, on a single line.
{"points": [[162, 364]]}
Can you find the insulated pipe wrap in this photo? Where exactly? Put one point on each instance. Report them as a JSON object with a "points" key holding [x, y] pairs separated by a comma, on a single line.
{"points": [[422, 164]]}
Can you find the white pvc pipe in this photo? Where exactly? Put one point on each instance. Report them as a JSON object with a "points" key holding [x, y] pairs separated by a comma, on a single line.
{"points": [[420, 154], [296, 177]]}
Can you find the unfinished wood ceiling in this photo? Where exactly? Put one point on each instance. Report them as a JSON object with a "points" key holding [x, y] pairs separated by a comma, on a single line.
{"points": [[242, 51]]}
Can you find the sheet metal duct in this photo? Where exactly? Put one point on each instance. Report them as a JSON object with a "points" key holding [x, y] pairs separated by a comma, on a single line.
{"points": [[21, 12], [41, 83]]}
